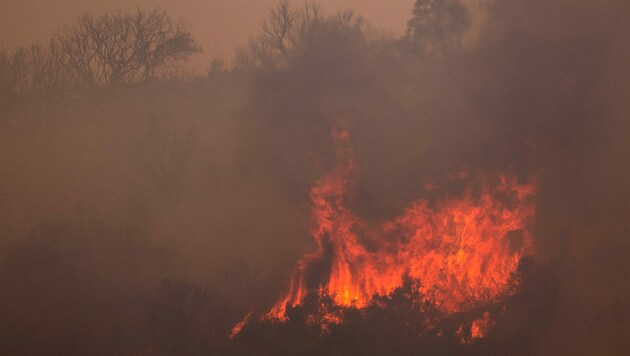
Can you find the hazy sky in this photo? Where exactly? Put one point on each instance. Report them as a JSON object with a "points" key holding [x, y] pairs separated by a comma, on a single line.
{"points": [[218, 25]]}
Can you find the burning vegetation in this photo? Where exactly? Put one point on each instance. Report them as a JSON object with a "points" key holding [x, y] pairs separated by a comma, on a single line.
{"points": [[460, 188], [459, 255]]}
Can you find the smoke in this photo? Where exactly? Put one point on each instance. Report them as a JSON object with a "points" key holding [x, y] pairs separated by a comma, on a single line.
{"points": [[205, 182], [538, 90]]}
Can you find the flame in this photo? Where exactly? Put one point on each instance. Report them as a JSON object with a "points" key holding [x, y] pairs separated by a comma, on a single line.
{"points": [[479, 327], [238, 327], [464, 251]]}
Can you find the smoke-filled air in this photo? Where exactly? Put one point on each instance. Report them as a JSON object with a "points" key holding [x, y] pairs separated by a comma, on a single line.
{"points": [[452, 182]]}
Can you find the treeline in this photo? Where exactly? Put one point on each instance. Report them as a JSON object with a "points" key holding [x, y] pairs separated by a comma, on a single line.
{"points": [[109, 49], [288, 33], [118, 49]]}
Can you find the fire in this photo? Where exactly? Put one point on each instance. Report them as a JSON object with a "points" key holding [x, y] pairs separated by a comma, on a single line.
{"points": [[464, 251], [479, 327], [238, 327]]}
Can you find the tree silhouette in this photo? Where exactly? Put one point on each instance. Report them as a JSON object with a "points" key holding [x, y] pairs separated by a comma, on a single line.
{"points": [[436, 26], [119, 49]]}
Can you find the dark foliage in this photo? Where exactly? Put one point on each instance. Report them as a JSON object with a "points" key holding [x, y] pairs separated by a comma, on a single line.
{"points": [[404, 323]]}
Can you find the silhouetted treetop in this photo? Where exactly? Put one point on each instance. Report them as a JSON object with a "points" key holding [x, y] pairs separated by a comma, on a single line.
{"points": [[436, 26], [123, 48], [289, 32]]}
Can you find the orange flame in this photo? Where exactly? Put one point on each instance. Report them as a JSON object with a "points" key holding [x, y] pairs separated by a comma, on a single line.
{"points": [[238, 327], [479, 327], [464, 251]]}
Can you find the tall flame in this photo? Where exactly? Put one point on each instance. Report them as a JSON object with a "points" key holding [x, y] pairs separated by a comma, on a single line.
{"points": [[465, 251]]}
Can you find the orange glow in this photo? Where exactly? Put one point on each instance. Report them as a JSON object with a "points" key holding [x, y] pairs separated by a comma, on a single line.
{"points": [[238, 327], [465, 251], [479, 327]]}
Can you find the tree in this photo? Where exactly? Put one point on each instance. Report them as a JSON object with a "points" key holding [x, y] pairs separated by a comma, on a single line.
{"points": [[436, 26], [119, 49], [289, 33], [158, 40], [33, 69], [278, 26]]}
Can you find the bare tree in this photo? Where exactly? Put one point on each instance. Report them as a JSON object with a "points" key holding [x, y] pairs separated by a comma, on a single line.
{"points": [[50, 72], [110, 49], [287, 31], [278, 26], [271, 47], [158, 39], [119, 49], [32, 69], [115, 48], [80, 51], [309, 23]]}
